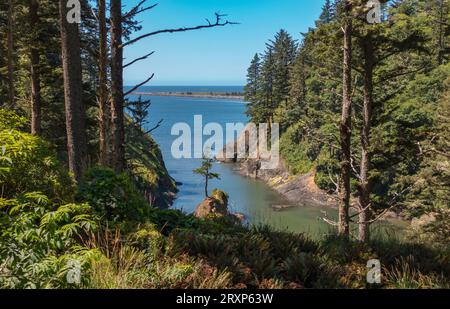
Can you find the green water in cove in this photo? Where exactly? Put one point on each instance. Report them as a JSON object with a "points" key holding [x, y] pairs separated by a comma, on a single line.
{"points": [[247, 196]]}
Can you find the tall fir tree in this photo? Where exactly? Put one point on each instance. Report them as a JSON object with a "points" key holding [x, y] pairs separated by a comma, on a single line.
{"points": [[253, 79]]}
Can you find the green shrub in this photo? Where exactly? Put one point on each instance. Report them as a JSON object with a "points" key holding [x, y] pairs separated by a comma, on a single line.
{"points": [[148, 239], [112, 196], [39, 241], [28, 164], [11, 120], [168, 220], [221, 196]]}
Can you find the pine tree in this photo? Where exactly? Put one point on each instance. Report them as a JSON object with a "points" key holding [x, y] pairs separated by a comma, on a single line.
{"points": [[139, 111], [346, 123], [253, 79], [75, 110], [36, 102], [328, 12], [103, 106], [266, 104], [284, 50], [117, 95], [205, 171]]}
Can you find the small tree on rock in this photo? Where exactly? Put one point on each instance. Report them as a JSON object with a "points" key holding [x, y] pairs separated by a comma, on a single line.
{"points": [[205, 171]]}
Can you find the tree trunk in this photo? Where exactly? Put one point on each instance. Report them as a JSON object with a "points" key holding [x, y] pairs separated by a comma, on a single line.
{"points": [[103, 86], [35, 74], [75, 112], [206, 187], [365, 184], [346, 127], [10, 64], [441, 32], [117, 103]]}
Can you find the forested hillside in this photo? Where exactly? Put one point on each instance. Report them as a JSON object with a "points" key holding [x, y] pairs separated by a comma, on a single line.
{"points": [[365, 105]]}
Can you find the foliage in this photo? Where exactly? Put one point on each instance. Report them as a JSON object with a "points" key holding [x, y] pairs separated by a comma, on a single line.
{"points": [[113, 197], [29, 164], [139, 111], [407, 147], [11, 120], [255, 255], [44, 237], [39, 240], [205, 171], [298, 155], [146, 167], [221, 196]]}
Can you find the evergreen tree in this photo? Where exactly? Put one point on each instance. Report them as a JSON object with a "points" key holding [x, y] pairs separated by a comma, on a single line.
{"points": [[328, 12], [36, 102], [266, 104], [253, 79], [205, 171], [73, 90], [139, 111], [283, 49], [346, 122]]}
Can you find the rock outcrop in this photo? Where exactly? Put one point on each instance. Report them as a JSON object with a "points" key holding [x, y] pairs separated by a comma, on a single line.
{"points": [[298, 190], [215, 205]]}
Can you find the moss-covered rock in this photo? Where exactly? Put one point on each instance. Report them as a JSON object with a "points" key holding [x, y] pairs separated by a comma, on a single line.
{"points": [[216, 205]]}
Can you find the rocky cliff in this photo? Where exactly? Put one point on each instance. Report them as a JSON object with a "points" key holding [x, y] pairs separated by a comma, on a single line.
{"points": [[299, 190]]}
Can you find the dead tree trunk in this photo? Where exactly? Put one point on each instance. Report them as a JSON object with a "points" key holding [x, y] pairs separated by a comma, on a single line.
{"points": [[365, 184], [75, 112], [35, 71], [117, 102], [346, 126], [104, 109]]}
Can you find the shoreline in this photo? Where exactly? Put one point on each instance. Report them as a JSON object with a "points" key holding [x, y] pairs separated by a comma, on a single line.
{"points": [[202, 95], [298, 190]]}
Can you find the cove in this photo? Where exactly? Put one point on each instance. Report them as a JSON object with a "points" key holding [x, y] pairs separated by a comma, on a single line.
{"points": [[247, 196]]}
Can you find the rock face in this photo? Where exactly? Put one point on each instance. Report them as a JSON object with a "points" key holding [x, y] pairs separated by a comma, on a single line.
{"points": [[215, 205], [298, 190], [244, 142]]}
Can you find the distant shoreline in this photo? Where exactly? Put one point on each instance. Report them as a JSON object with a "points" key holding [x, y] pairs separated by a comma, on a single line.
{"points": [[205, 95]]}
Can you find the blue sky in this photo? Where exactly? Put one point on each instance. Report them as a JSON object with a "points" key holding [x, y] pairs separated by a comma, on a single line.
{"points": [[217, 56]]}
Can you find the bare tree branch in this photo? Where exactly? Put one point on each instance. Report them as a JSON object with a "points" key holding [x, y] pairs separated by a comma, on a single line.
{"points": [[137, 86], [352, 161], [144, 9], [155, 127], [217, 23], [138, 59], [336, 183], [93, 14], [328, 221], [137, 9], [361, 210]]}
